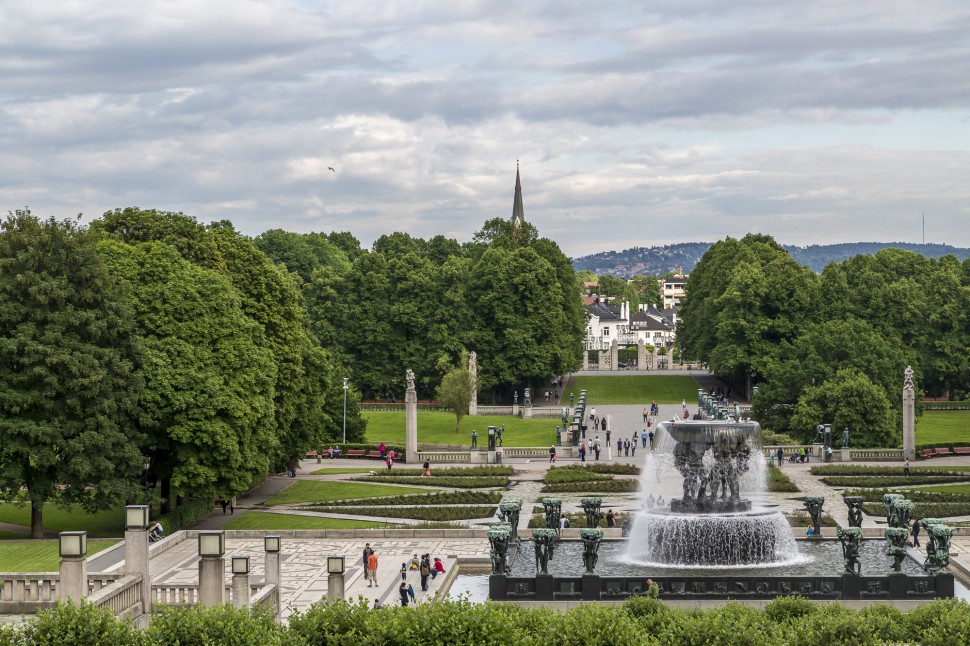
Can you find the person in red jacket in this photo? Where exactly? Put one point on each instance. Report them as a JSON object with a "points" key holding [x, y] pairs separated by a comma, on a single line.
{"points": [[439, 566]]}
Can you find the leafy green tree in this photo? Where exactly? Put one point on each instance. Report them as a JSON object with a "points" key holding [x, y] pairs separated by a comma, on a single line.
{"points": [[456, 390], [209, 377], [69, 385], [612, 286], [189, 237], [302, 253], [850, 400]]}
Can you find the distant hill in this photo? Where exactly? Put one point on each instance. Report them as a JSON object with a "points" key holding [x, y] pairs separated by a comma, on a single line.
{"points": [[655, 261]]}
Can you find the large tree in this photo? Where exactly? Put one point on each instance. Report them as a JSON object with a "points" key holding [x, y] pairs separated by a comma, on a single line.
{"points": [[69, 385], [456, 390]]}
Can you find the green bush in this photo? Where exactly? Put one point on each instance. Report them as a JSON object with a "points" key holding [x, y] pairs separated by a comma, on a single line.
{"points": [[802, 519], [616, 468], [573, 474], [779, 481], [438, 498], [188, 513], [875, 495], [577, 519], [601, 486], [462, 512], [789, 609], [442, 481], [459, 472], [884, 481], [218, 625], [70, 625]]}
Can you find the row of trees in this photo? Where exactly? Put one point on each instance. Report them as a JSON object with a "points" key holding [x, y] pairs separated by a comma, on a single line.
{"points": [[219, 358], [829, 347], [508, 294], [150, 336]]}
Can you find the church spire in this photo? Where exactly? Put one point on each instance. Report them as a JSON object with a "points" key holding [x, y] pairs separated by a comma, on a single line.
{"points": [[518, 212]]}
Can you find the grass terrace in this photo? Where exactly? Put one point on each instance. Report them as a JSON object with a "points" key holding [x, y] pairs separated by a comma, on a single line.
{"points": [[439, 428], [38, 556], [268, 520], [633, 389], [943, 427], [311, 491]]}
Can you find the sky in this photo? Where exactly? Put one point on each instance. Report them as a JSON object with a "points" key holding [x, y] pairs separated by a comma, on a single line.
{"points": [[634, 123]]}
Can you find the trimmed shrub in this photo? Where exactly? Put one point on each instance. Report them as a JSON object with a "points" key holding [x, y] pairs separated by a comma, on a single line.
{"points": [[462, 512], [556, 475], [69, 625], [459, 472], [218, 625], [883, 481], [924, 509], [859, 470], [601, 486], [442, 481], [789, 609], [779, 481], [437, 498]]}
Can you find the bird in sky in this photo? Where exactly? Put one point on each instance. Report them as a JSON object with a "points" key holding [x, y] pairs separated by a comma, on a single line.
{"points": [[331, 168]]}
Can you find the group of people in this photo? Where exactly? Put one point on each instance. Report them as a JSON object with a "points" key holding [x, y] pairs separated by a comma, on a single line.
{"points": [[387, 455], [652, 411], [426, 567], [333, 452]]}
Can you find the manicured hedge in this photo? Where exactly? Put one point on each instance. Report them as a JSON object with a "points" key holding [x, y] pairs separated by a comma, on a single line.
{"points": [[859, 470], [616, 468], [459, 472], [924, 509], [442, 481], [885, 481], [577, 519], [442, 498], [788, 620], [802, 519], [463, 512], [573, 474], [779, 481], [600, 486], [875, 495]]}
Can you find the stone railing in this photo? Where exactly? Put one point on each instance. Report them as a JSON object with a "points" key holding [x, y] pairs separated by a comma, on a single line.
{"points": [[525, 452], [886, 455], [444, 456], [546, 411], [27, 592], [122, 597], [494, 410], [174, 594], [266, 597]]}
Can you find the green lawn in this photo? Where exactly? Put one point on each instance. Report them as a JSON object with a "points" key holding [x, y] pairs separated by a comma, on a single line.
{"points": [[266, 520], [102, 524], [942, 427], [316, 491], [633, 389], [38, 556], [12, 536], [439, 428], [340, 470]]}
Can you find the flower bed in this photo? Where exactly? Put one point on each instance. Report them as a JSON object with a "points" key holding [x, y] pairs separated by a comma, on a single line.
{"points": [[601, 486]]}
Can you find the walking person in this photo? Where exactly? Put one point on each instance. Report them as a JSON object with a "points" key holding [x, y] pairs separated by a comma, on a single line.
{"points": [[633, 446], [597, 448], [643, 438], [367, 552], [650, 437], [626, 448], [607, 437], [582, 452], [781, 454], [425, 571], [619, 447], [906, 467], [915, 532], [552, 454], [403, 592], [427, 469], [646, 415]]}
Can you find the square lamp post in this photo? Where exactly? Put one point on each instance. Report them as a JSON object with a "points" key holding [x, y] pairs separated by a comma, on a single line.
{"points": [[73, 548], [240, 565], [240, 581], [335, 580], [137, 521], [272, 544], [136, 517], [212, 566]]}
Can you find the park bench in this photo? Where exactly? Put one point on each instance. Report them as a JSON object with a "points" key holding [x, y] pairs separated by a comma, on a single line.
{"points": [[373, 454], [311, 454], [943, 450], [961, 450], [926, 453], [356, 453]]}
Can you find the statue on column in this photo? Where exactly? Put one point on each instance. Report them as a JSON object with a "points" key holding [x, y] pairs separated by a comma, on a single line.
{"points": [[409, 376], [908, 378]]}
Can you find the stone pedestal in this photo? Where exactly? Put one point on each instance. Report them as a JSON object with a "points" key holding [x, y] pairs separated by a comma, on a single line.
{"points": [[545, 587], [614, 356], [601, 359], [846, 455], [909, 416], [212, 582], [411, 426], [591, 587], [641, 355], [515, 410], [585, 359], [473, 370], [240, 591], [73, 583], [526, 412], [335, 586], [136, 562]]}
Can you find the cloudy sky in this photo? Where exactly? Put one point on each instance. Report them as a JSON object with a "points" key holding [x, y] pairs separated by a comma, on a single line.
{"points": [[636, 123]]}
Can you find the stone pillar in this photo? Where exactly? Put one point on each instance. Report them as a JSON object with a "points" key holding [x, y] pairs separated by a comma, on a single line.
{"points": [[273, 576], [585, 359], [335, 586], [846, 456], [909, 415], [614, 356], [654, 358], [212, 581], [240, 591], [411, 420], [602, 360], [73, 584], [473, 369], [136, 562], [641, 355]]}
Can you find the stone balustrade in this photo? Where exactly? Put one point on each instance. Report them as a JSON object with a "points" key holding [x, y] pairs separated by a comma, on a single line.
{"points": [[122, 596]]}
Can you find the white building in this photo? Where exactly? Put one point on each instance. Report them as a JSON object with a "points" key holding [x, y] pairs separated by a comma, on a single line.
{"points": [[608, 321], [672, 289]]}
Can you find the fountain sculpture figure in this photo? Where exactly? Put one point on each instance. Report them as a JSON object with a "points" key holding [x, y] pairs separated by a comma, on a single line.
{"points": [[591, 538], [712, 523], [814, 506], [553, 512], [851, 539], [938, 545], [896, 546], [508, 512], [854, 504], [592, 508], [544, 540], [498, 537]]}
